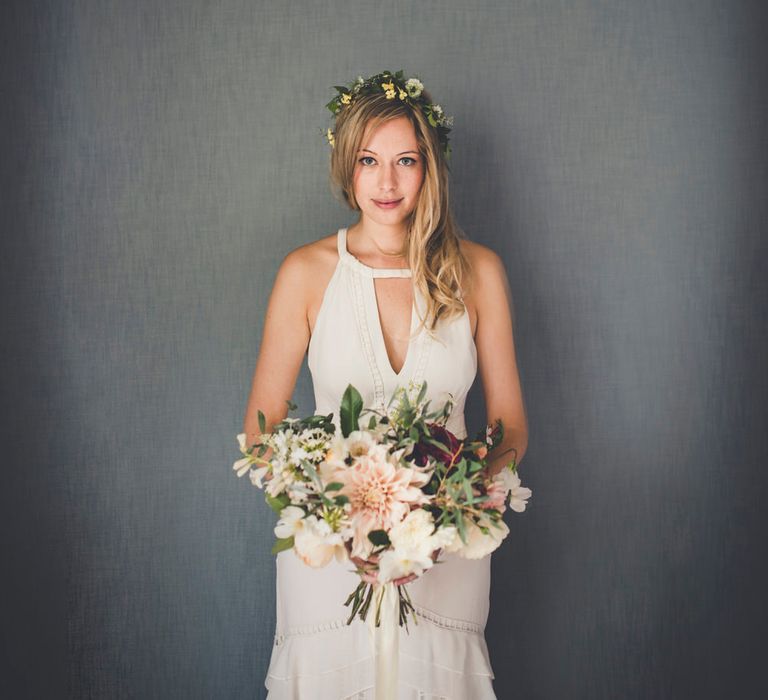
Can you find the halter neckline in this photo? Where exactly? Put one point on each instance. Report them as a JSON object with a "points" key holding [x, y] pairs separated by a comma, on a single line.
{"points": [[351, 260]]}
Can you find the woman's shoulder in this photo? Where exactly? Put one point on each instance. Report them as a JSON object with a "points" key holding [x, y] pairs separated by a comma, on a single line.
{"points": [[478, 254], [308, 268], [317, 252], [485, 264], [311, 260]]}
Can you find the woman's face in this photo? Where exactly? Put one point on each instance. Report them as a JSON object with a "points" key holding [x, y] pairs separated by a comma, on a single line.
{"points": [[389, 168]]}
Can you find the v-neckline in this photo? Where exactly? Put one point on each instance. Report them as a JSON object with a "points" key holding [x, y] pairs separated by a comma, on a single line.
{"points": [[370, 274], [381, 346]]}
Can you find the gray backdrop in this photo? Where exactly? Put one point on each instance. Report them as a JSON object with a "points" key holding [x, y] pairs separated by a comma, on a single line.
{"points": [[160, 159]]}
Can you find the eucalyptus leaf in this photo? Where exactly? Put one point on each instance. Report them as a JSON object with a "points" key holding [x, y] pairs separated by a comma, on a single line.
{"points": [[312, 472], [422, 393], [460, 525]]}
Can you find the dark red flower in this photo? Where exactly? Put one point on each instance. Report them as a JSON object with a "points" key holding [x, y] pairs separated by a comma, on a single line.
{"points": [[423, 449]]}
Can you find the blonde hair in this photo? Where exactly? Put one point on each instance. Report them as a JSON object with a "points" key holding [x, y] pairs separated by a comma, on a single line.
{"points": [[440, 271]]}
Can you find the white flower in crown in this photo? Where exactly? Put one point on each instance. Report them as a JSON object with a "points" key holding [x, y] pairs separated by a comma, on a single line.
{"points": [[413, 87]]}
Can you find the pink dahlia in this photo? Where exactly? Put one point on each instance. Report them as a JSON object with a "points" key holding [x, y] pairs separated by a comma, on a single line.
{"points": [[380, 495]]}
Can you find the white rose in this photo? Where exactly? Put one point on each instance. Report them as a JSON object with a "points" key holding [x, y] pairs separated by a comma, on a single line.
{"points": [[414, 532], [478, 545], [316, 544], [399, 562]]}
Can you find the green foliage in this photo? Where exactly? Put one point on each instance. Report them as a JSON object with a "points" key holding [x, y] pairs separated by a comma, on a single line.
{"points": [[349, 413], [277, 503], [282, 543], [379, 538]]}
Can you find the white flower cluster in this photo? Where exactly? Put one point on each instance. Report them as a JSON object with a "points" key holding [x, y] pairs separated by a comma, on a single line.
{"points": [[290, 450]]}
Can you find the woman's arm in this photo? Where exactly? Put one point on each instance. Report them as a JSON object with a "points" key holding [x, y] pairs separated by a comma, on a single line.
{"points": [[496, 357], [284, 342]]}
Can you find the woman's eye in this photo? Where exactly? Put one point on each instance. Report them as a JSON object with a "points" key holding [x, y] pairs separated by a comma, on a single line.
{"points": [[412, 161]]}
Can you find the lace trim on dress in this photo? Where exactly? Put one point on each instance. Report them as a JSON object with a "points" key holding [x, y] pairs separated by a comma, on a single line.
{"points": [[447, 623]]}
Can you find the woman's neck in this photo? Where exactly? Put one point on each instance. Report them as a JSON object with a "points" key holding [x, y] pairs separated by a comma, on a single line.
{"points": [[375, 240]]}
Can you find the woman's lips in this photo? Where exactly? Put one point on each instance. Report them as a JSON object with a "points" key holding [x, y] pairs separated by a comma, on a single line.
{"points": [[387, 204]]}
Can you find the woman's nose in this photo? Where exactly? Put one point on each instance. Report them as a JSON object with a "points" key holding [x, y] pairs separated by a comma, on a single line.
{"points": [[387, 177]]}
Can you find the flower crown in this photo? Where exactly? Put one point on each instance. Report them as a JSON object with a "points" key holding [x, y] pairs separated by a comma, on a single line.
{"points": [[393, 86]]}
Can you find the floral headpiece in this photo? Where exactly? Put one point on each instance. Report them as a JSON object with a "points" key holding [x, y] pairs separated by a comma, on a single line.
{"points": [[393, 86]]}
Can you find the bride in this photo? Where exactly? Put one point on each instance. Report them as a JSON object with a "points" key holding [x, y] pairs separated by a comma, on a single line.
{"points": [[399, 297]]}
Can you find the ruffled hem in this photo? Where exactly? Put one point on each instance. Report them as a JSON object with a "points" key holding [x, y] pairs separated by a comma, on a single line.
{"points": [[439, 657]]}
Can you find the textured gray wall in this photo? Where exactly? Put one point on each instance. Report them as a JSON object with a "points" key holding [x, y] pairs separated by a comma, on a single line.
{"points": [[159, 160]]}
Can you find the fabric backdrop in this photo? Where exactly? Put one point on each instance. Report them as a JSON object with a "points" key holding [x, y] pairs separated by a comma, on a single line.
{"points": [[160, 159]]}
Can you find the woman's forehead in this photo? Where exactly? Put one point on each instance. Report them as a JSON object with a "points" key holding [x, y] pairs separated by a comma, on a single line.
{"points": [[392, 134]]}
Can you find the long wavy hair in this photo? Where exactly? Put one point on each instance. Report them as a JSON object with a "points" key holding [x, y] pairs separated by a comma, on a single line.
{"points": [[439, 270]]}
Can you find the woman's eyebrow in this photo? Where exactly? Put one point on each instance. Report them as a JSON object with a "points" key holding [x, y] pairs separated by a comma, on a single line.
{"points": [[400, 154]]}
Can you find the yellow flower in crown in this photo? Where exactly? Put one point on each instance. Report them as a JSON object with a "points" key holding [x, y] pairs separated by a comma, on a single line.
{"points": [[330, 137], [346, 98], [402, 94], [390, 90]]}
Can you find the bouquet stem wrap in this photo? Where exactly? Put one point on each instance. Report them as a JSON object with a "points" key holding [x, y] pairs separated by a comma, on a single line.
{"points": [[384, 639]]}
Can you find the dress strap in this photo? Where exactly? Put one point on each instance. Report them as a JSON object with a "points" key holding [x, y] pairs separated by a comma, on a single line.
{"points": [[341, 242]]}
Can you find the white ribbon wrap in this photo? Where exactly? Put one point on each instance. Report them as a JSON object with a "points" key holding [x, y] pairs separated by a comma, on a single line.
{"points": [[384, 639]]}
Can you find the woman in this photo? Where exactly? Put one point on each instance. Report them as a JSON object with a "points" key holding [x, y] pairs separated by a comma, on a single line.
{"points": [[398, 298]]}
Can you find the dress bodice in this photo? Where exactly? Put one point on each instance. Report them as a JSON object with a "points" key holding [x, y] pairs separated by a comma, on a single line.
{"points": [[347, 346]]}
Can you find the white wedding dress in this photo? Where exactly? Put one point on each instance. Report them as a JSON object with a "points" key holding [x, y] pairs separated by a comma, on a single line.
{"points": [[316, 655]]}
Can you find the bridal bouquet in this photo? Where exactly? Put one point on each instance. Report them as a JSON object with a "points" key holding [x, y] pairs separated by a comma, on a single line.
{"points": [[389, 495]]}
